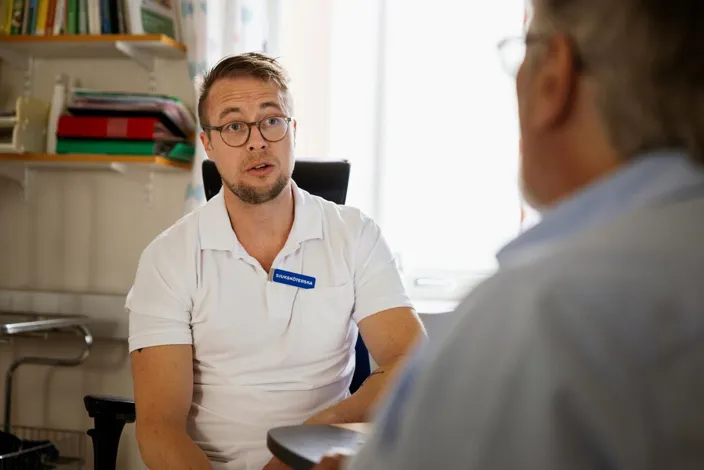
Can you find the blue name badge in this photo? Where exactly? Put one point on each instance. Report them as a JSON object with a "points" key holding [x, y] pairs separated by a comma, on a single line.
{"points": [[293, 279]]}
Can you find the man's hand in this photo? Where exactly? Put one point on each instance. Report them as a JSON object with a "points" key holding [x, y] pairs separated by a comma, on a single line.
{"points": [[328, 463], [331, 463], [327, 416], [275, 464]]}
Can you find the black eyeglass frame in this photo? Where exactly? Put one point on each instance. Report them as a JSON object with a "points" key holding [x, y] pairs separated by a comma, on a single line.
{"points": [[528, 38], [287, 120]]}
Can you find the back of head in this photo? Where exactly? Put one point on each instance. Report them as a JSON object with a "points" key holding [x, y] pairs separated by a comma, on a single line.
{"points": [[646, 58], [248, 65]]}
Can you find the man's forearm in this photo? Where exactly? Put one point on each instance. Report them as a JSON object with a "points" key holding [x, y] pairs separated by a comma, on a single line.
{"points": [[165, 448], [357, 408]]}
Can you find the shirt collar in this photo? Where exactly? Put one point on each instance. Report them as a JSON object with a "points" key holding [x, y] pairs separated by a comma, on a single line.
{"points": [[308, 217], [216, 233], [214, 227], [651, 177]]}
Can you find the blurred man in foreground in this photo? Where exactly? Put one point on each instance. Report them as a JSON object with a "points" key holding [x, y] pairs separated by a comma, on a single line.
{"points": [[586, 349]]}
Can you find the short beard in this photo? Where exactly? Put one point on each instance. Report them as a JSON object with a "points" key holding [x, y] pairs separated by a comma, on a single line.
{"points": [[250, 195]]}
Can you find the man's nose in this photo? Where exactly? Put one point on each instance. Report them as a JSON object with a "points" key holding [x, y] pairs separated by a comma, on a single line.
{"points": [[256, 140]]}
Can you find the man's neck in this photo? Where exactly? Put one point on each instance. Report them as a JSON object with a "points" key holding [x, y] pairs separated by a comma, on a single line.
{"points": [[262, 229], [591, 158]]}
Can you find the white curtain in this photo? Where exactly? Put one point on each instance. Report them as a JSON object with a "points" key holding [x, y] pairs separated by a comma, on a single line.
{"points": [[212, 30]]}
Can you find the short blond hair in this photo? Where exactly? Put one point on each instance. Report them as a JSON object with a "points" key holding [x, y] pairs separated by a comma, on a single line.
{"points": [[646, 58], [250, 65]]}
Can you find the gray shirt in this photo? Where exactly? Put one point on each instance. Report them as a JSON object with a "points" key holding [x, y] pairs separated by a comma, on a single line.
{"points": [[584, 351]]}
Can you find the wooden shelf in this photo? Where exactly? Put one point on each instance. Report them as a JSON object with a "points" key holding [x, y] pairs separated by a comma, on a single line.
{"points": [[94, 162], [92, 46]]}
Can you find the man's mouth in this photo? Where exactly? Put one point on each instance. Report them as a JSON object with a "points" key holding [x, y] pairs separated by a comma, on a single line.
{"points": [[260, 166]]}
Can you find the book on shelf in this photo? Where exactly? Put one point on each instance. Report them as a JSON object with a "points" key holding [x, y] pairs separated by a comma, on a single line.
{"points": [[106, 127], [56, 17], [115, 123], [171, 111]]}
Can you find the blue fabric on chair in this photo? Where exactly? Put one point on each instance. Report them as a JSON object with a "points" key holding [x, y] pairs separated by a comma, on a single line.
{"points": [[362, 366], [326, 179]]}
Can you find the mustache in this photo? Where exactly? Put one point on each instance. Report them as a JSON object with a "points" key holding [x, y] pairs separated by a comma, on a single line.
{"points": [[259, 156]]}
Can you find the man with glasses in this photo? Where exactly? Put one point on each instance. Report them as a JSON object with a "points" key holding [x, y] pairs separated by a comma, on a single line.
{"points": [[586, 349], [245, 313]]}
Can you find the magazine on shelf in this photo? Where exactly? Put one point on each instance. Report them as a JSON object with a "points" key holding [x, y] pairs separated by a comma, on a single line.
{"points": [[170, 110]]}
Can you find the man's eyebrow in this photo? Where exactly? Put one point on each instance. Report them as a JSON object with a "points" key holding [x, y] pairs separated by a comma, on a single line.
{"points": [[229, 110], [235, 109], [270, 104]]}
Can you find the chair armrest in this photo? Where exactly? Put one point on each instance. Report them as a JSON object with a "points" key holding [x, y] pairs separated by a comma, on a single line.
{"points": [[110, 407]]}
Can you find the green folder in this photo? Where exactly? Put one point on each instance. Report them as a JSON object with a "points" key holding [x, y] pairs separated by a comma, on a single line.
{"points": [[179, 151]]}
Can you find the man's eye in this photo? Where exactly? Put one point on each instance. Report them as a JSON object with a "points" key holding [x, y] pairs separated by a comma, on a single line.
{"points": [[234, 127]]}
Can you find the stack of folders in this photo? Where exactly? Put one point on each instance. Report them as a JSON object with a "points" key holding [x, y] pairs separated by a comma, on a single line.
{"points": [[126, 124]]}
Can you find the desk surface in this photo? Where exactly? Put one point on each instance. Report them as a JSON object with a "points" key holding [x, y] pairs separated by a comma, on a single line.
{"points": [[434, 307], [302, 447], [363, 428]]}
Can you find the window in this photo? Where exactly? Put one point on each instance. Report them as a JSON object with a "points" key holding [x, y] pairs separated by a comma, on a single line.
{"points": [[449, 197]]}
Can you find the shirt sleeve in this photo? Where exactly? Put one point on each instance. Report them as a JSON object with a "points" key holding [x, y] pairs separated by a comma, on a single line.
{"points": [[377, 281], [158, 305], [522, 381]]}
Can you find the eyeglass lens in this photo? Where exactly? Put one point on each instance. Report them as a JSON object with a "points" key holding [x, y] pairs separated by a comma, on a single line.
{"points": [[237, 133]]}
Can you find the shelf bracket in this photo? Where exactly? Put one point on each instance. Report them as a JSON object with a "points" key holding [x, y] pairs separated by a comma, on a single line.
{"points": [[118, 168], [14, 173], [141, 176], [143, 59], [22, 63], [19, 61], [18, 174], [147, 61]]}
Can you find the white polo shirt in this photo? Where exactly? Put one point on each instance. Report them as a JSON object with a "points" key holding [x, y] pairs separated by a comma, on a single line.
{"points": [[265, 353]]}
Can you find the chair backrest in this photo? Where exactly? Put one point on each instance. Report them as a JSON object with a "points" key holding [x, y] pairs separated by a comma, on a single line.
{"points": [[326, 179]]}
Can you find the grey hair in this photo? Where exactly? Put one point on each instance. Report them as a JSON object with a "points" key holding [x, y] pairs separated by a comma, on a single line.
{"points": [[646, 58]]}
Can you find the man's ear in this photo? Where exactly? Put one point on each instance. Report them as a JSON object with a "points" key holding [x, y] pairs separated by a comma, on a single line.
{"points": [[555, 84], [295, 128], [206, 142]]}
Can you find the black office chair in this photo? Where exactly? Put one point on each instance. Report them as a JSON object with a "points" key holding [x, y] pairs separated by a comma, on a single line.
{"points": [[327, 179]]}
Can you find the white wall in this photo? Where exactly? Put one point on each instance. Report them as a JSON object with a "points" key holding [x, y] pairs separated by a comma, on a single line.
{"points": [[80, 231]]}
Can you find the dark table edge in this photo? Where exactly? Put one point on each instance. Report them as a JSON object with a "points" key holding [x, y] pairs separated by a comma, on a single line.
{"points": [[295, 461]]}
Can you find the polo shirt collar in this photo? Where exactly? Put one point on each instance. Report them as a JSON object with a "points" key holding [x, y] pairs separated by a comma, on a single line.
{"points": [[308, 217], [214, 227], [216, 233]]}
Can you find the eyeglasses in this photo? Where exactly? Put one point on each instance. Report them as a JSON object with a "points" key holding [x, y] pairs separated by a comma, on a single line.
{"points": [[512, 52], [236, 133]]}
